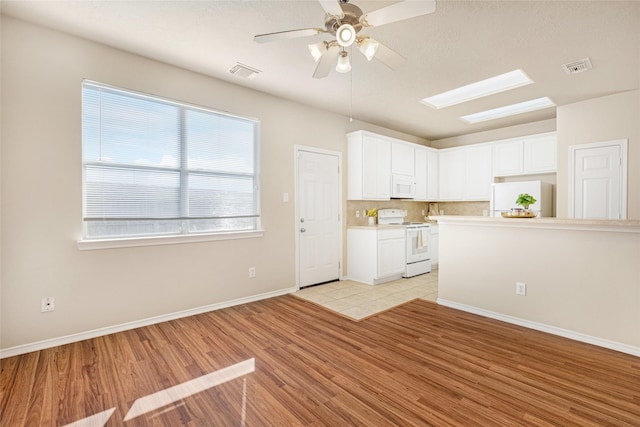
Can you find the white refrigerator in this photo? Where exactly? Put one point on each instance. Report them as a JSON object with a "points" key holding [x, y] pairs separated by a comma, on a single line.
{"points": [[505, 194]]}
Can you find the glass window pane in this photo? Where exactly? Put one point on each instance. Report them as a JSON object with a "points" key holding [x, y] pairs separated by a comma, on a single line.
{"points": [[221, 196], [129, 193], [219, 143], [130, 130]]}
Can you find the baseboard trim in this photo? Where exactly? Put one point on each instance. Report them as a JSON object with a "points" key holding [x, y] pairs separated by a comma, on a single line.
{"points": [[54, 342], [577, 336]]}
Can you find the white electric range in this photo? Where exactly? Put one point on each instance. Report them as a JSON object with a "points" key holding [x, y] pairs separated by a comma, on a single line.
{"points": [[417, 234]]}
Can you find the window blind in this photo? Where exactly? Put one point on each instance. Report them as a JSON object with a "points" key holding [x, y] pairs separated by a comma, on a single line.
{"points": [[153, 166]]}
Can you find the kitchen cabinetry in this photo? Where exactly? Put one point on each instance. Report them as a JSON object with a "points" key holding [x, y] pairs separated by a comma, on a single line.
{"points": [[540, 154], [402, 159], [426, 173], [477, 177], [375, 255], [451, 174], [528, 155], [465, 173], [369, 167]]}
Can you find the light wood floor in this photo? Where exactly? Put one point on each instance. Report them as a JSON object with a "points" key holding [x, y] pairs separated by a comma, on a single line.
{"points": [[417, 364]]}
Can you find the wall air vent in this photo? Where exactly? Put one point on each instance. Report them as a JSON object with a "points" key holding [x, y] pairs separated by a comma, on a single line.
{"points": [[244, 71], [577, 66]]}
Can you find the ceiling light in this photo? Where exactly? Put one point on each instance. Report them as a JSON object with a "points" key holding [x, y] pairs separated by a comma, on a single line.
{"points": [[510, 110], [368, 47], [317, 50], [490, 86], [343, 63], [346, 35]]}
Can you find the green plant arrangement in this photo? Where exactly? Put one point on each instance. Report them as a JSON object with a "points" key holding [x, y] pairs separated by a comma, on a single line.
{"points": [[372, 212], [525, 200]]}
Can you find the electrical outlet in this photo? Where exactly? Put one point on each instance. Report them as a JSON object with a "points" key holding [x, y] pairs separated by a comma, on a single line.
{"points": [[357, 214], [521, 288], [47, 304], [252, 272]]}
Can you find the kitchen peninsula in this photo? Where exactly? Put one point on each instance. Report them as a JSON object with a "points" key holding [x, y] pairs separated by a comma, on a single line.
{"points": [[580, 278]]}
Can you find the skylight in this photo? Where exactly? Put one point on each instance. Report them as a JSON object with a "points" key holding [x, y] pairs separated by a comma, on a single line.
{"points": [[510, 110], [490, 86]]}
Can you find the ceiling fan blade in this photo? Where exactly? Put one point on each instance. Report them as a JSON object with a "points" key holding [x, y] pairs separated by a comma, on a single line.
{"points": [[286, 35], [398, 11], [332, 7], [325, 62], [389, 57]]}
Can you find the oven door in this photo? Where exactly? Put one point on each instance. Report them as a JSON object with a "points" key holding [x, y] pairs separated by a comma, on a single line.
{"points": [[417, 244]]}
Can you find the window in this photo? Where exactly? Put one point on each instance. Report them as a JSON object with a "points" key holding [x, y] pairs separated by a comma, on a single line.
{"points": [[155, 167]]}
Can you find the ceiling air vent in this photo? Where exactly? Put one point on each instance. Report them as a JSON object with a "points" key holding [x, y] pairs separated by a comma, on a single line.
{"points": [[244, 71], [577, 66]]}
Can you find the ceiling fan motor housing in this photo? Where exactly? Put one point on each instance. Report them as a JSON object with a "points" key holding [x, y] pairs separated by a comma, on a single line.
{"points": [[352, 15]]}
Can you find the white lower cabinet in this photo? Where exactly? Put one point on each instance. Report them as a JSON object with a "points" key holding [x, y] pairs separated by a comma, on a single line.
{"points": [[375, 255]]}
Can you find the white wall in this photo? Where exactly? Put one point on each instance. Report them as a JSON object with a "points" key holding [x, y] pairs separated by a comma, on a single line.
{"points": [[597, 120], [496, 134], [42, 199], [584, 282]]}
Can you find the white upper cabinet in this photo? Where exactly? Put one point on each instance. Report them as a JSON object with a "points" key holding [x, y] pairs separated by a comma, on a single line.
{"points": [[477, 176], [528, 155], [402, 158], [540, 154], [465, 173], [426, 173], [451, 174], [508, 158], [369, 167], [432, 174]]}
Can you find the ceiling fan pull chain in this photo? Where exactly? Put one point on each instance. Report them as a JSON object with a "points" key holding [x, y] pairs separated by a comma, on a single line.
{"points": [[351, 93]]}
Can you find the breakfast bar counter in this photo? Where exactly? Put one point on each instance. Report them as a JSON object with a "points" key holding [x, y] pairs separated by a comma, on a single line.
{"points": [[632, 226]]}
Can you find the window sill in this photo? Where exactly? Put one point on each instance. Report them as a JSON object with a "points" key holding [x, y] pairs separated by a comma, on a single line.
{"points": [[86, 245]]}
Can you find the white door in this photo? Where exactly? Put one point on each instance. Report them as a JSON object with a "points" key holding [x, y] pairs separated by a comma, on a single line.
{"points": [[599, 180], [318, 217]]}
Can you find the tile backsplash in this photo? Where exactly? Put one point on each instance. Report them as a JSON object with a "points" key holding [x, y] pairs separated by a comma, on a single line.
{"points": [[414, 209]]}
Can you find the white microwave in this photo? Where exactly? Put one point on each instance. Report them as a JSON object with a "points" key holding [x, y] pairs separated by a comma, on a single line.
{"points": [[403, 187]]}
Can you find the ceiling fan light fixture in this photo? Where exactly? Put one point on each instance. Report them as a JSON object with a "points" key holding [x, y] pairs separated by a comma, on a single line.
{"points": [[344, 66], [368, 47], [346, 35], [317, 50]]}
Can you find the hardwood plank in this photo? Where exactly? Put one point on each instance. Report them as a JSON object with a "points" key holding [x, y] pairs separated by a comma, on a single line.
{"points": [[416, 364]]}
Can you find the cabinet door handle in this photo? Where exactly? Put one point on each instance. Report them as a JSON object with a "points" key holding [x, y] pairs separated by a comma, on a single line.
{"points": [[302, 230]]}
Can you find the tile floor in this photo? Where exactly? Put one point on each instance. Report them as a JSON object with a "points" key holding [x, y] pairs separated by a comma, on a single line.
{"points": [[358, 300]]}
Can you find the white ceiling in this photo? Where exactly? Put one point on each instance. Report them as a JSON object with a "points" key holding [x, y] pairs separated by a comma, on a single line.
{"points": [[462, 42]]}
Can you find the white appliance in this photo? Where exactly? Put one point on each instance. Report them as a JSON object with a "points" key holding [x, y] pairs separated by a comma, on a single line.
{"points": [[417, 235], [403, 187], [505, 194]]}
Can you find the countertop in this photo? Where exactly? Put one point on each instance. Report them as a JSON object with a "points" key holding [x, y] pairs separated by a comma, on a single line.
{"points": [[627, 226]]}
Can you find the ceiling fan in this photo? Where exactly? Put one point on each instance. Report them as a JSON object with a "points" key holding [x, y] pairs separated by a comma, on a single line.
{"points": [[345, 21]]}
